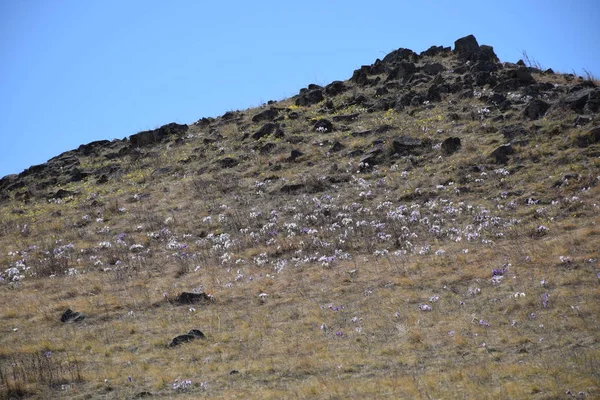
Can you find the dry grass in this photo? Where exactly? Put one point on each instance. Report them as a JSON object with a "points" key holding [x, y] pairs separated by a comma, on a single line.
{"points": [[317, 292]]}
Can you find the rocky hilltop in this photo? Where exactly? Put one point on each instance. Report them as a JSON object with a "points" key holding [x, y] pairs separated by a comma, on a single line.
{"points": [[512, 95], [427, 228]]}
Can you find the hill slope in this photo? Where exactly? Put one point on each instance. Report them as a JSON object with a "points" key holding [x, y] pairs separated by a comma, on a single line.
{"points": [[427, 228]]}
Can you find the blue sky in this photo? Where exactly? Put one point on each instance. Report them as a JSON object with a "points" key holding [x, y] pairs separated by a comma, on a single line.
{"points": [[72, 71]]}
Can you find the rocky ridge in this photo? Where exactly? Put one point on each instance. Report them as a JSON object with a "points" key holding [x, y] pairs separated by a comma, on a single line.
{"points": [[403, 81]]}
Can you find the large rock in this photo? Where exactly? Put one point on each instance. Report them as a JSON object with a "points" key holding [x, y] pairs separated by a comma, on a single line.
{"points": [[323, 125], [512, 131], [590, 137], [536, 109], [146, 138], [501, 153], [268, 129], [466, 47], [433, 68], [435, 50], [577, 100], [402, 71], [71, 316], [335, 88], [193, 298], [92, 148], [400, 55], [310, 97], [267, 115], [371, 157], [451, 145], [405, 145]]}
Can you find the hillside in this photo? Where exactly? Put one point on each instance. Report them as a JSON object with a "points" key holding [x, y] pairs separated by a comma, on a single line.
{"points": [[426, 229]]}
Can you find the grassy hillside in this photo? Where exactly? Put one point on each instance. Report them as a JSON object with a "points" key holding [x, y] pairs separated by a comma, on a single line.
{"points": [[426, 229]]}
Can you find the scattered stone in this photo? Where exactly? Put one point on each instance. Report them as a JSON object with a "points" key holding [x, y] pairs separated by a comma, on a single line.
{"points": [[345, 117], [501, 153], [512, 131], [590, 137], [193, 298], [295, 154], [292, 188], [72, 316], [323, 125], [581, 120], [451, 145], [405, 145], [371, 157], [190, 336], [267, 115], [337, 146], [228, 162], [536, 109], [270, 128]]}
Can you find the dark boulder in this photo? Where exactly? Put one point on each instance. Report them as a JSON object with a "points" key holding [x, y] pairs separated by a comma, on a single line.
{"points": [[536, 109], [501, 153], [433, 68], [72, 316], [435, 50], [484, 66], [372, 156], [193, 298], [92, 148], [400, 55], [61, 194], [335, 88], [523, 75], [267, 115], [405, 145], [323, 125], [295, 154], [310, 97], [228, 162], [466, 47], [512, 131], [590, 137], [267, 148], [270, 128], [402, 71], [292, 188], [337, 146], [188, 337], [361, 76], [11, 182], [146, 138], [451, 145], [486, 53], [576, 101], [345, 117]]}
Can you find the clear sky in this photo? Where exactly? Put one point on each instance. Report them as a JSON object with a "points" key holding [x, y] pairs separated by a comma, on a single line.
{"points": [[74, 71]]}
